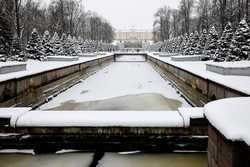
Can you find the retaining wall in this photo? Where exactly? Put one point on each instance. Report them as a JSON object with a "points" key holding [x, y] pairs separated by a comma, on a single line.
{"points": [[14, 90], [226, 153], [209, 88]]}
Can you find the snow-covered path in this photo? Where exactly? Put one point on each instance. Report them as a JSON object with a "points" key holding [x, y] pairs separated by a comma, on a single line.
{"points": [[115, 81]]}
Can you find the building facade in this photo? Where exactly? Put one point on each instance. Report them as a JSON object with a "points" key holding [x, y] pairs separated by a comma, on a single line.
{"points": [[134, 35]]}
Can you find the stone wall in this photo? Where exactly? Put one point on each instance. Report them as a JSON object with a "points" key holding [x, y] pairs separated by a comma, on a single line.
{"points": [[209, 88], [23, 91], [226, 153]]}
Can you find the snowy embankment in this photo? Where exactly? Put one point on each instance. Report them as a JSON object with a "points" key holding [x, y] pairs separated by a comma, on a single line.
{"points": [[36, 67], [239, 83], [22, 117], [231, 117]]}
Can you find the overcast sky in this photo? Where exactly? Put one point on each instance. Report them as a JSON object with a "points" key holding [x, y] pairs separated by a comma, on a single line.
{"points": [[124, 14]]}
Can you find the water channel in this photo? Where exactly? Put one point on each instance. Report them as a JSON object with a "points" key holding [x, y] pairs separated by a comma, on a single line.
{"points": [[129, 84]]}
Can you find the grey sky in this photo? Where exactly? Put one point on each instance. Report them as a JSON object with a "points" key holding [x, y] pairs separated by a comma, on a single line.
{"points": [[124, 14]]}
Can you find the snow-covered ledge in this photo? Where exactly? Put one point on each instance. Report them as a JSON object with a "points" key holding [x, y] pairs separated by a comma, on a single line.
{"points": [[9, 67], [156, 53], [187, 58], [168, 119], [241, 68], [89, 55], [231, 117], [62, 58], [165, 54]]}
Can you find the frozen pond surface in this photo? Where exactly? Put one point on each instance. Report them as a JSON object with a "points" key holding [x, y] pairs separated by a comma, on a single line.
{"points": [[120, 86], [109, 160]]}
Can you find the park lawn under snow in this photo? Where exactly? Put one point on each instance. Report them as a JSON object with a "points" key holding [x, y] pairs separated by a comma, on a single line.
{"points": [[239, 83], [116, 80], [35, 67]]}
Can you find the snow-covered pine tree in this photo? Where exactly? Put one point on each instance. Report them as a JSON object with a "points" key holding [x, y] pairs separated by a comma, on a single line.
{"points": [[224, 42], [47, 46], [240, 46], [56, 43], [178, 44], [34, 47], [69, 47], [77, 46], [63, 46], [188, 49], [194, 43], [202, 42], [212, 43], [184, 44]]}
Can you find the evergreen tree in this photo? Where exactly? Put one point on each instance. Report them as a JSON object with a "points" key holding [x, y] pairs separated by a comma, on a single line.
{"points": [[34, 47], [69, 46], [223, 49], [240, 47], [47, 47], [63, 46], [212, 42], [202, 42], [184, 44], [192, 43], [56, 43]]}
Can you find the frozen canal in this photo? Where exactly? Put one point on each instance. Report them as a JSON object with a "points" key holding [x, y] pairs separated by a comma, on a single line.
{"points": [[120, 86]]}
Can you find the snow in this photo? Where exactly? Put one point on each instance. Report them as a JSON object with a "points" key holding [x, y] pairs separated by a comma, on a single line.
{"points": [[8, 134], [36, 67], [193, 112], [117, 80], [15, 151], [62, 58], [11, 112], [100, 119], [187, 58], [231, 117], [189, 113], [10, 63], [239, 83], [235, 64]]}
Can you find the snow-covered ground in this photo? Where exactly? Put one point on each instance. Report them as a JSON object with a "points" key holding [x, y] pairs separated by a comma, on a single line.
{"points": [[231, 117], [239, 83], [116, 80], [35, 67]]}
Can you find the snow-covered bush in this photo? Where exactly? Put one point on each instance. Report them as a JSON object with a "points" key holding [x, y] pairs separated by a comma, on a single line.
{"points": [[224, 44], [240, 46]]}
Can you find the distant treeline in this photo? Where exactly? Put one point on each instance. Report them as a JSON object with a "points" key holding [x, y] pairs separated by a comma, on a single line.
{"points": [[19, 17], [196, 15]]}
